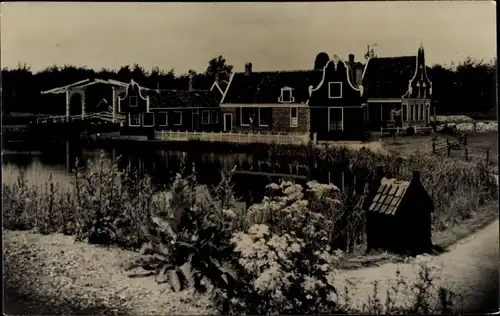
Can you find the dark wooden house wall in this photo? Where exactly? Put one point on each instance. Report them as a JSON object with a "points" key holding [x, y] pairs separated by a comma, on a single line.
{"points": [[192, 120], [350, 100], [124, 104]]}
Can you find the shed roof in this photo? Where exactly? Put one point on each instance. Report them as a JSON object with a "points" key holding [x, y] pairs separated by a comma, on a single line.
{"points": [[265, 87], [389, 196], [181, 98]]}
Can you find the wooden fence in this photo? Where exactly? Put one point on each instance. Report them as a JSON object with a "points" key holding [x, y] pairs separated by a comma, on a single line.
{"points": [[401, 130], [265, 138], [460, 149]]}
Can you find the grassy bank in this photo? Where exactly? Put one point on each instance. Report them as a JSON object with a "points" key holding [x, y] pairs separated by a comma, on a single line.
{"points": [[275, 257]]}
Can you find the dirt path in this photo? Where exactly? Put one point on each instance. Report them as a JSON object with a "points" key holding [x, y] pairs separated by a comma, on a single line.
{"points": [[53, 274], [470, 267]]}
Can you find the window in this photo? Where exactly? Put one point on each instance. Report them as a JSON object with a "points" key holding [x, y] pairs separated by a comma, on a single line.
{"points": [[132, 101], [161, 118], [177, 118], [265, 116], [134, 119], [335, 90], [286, 95], [245, 115], [205, 117], [214, 117], [148, 119], [335, 119], [294, 117]]}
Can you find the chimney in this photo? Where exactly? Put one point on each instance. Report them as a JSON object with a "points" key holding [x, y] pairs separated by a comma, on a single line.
{"points": [[351, 59], [416, 176], [190, 88], [248, 69]]}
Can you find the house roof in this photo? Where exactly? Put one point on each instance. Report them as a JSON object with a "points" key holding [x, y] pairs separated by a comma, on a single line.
{"points": [[181, 98], [388, 77], [389, 196], [265, 87]]}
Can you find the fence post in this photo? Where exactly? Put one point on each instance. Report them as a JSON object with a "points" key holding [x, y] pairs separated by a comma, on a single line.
{"points": [[220, 137], [433, 147], [466, 154], [487, 156], [170, 135], [465, 139], [474, 127], [268, 137], [448, 147], [248, 140], [239, 138], [178, 134], [186, 134], [258, 137]]}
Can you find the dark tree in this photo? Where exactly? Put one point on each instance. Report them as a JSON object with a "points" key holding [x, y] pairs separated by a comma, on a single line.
{"points": [[218, 66]]}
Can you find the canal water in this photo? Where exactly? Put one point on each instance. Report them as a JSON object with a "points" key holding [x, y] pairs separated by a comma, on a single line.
{"points": [[253, 171]]}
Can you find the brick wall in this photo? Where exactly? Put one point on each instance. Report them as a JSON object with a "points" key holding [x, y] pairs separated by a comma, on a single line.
{"points": [[280, 121]]}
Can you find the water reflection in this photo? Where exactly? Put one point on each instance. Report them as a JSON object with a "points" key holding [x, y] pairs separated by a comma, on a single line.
{"points": [[253, 172]]}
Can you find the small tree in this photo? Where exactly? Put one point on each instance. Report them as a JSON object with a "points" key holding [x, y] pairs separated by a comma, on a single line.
{"points": [[218, 66]]}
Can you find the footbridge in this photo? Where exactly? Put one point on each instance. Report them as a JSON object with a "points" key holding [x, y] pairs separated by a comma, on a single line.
{"points": [[79, 87]]}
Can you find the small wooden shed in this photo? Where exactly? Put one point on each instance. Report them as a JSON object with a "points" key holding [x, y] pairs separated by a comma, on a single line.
{"points": [[399, 216]]}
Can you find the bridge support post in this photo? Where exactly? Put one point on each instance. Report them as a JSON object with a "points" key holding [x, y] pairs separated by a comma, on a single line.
{"points": [[114, 105], [82, 94], [68, 98]]}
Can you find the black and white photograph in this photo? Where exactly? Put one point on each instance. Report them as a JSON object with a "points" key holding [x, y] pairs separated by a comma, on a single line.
{"points": [[249, 158]]}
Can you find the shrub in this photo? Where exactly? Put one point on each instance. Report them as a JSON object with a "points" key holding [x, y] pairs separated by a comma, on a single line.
{"points": [[284, 261]]}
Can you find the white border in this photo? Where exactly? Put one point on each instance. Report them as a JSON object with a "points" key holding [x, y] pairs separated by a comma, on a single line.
{"points": [[297, 109], [335, 107], [212, 112], [258, 117], [292, 98], [329, 90], [166, 117], [178, 124], [224, 117], [208, 117], [130, 119]]}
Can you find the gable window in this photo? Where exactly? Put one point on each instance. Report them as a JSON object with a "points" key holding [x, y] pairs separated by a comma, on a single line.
{"points": [[246, 114], [178, 118], [134, 119], [294, 117], [133, 102], [265, 116], [214, 117], [161, 118], [286, 95], [335, 90], [205, 117], [148, 119]]}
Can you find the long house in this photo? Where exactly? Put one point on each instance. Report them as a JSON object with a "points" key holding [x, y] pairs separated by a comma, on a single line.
{"points": [[147, 110], [335, 100]]}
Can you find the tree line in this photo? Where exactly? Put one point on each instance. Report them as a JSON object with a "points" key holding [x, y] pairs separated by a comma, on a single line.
{"points": [[469, 86]]}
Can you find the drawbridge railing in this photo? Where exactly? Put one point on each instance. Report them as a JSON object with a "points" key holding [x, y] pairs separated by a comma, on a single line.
{"points": [[103, 116]]}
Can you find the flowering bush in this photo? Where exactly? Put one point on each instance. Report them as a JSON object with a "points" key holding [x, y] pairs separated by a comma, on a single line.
{"points": [[284, 259]]}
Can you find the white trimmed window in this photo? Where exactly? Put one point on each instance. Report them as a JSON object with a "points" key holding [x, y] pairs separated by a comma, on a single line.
{"points": [[286, 95], [177, 118], [161, 118], [335, 90], [214, 117], [148, 119], [134, 119], [205, 117], [245, 115], [294, 117], [335, 119], [133, 102], [265, 116]]}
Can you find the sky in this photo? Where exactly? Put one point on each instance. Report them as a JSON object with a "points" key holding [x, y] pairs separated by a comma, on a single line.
{"points": [[272, 36]]}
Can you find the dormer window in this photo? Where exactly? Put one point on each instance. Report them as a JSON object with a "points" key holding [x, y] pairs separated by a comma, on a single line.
{"points": [[132, 101], [286, 95], [335, 90]]}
